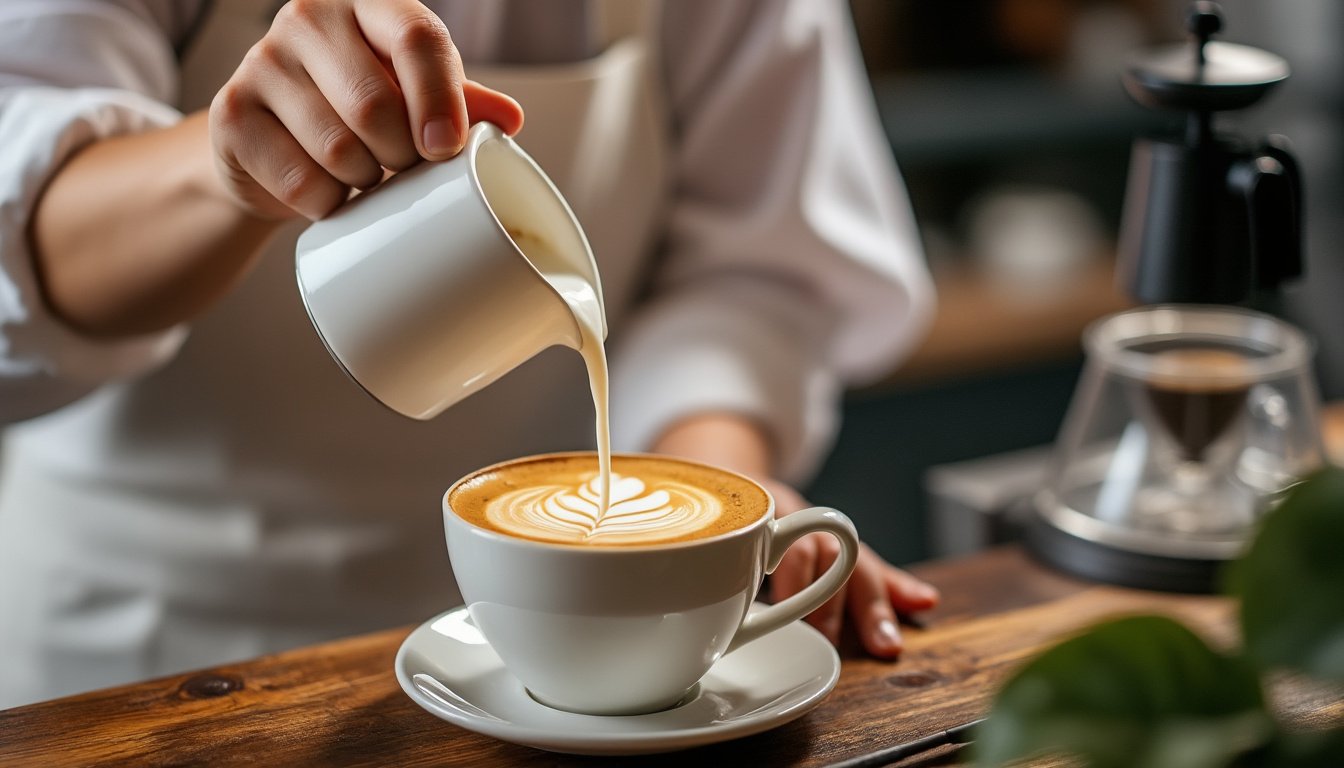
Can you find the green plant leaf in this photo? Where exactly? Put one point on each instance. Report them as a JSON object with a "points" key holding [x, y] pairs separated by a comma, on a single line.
{"points": [[1291, 582], [1139, 691], [1321, 749]]}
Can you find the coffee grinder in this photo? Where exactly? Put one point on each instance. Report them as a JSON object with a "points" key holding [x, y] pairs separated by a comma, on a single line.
{"points": [[1192, 416]]}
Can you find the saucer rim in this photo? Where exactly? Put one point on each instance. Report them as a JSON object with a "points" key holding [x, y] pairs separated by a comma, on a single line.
{"points": [[637, 743]]}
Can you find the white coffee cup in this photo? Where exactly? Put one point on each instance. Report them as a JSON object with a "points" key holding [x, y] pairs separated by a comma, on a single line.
{"points": [[420, 289], [629, 630]]}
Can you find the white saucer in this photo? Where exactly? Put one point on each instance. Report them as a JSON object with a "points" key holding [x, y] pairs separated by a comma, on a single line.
{"points": [[448, 668]]}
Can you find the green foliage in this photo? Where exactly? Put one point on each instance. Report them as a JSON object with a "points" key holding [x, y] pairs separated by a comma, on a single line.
{"points": [[1302, 750], [1137, 691], [1144, 691], [1291, 583]]}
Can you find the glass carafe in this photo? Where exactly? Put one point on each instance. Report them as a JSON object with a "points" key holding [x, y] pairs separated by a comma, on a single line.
{"points": [[1188, 423]]}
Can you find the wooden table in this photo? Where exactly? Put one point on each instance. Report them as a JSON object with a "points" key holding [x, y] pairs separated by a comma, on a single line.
{"points": [[339, 704]]}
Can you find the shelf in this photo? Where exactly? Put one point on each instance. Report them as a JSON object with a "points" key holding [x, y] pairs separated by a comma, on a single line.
{"points": [[980, 327]]}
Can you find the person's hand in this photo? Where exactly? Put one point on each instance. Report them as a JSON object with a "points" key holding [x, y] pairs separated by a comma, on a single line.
{"points": [[874, 593], [870, 599], [336, 92]]}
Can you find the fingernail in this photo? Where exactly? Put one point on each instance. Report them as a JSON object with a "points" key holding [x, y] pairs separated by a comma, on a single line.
{"points": [[887, 635], [926, 592], [441, 137]]}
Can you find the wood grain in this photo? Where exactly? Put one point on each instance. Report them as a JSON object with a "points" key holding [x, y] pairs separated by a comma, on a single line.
{"points": [[339, 704]]}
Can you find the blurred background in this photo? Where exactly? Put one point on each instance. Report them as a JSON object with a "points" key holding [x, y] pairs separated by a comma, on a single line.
{"points": [[1012, 131]]}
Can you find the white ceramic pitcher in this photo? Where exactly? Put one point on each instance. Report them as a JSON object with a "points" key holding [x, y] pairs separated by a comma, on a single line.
{"points": [[433, 285]]}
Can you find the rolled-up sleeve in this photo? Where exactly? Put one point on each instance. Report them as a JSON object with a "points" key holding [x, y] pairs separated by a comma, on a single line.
{"points": [[71, 73], [792, 264]]}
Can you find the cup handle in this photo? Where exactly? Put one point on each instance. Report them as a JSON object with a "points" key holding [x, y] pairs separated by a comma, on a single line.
{"points": [[784, 532]]}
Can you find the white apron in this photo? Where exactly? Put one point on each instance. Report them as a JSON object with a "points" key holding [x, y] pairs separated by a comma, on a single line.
{"points": [[247, 497]]}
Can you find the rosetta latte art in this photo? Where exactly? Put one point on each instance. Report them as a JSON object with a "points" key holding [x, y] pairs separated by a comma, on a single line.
{"points": [[636, 512]]}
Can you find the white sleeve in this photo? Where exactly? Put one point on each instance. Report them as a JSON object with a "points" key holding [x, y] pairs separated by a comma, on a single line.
{"points": [[72, 72], [792, 264]]}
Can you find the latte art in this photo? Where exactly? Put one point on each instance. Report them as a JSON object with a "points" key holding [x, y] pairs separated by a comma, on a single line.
{"points": [[654, 500], [637, 511]]}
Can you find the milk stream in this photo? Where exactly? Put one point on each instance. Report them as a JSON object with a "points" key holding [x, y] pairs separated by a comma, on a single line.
{"points": [[581, 295], [583, 302]]}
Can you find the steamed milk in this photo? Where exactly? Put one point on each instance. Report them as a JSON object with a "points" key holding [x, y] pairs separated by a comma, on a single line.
{"points": [[587, 309], [586, 306], [647, 501]]}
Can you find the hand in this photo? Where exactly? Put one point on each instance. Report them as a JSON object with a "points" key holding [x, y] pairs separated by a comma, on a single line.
{"points": [[871, 597], [336, 92], [875, 591]]}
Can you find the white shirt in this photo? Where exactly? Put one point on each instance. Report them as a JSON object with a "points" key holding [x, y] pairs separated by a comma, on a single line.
{"points": [[219, 491]]}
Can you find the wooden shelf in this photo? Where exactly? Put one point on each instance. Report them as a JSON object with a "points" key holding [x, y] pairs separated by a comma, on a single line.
{"points": [[1332, 430], [981, 326]]}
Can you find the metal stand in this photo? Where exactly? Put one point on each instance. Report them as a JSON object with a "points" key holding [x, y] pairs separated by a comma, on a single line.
{"points": [[1099, 562]]}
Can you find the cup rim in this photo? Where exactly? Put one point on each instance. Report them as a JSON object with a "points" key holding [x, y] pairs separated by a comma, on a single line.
{"points": [[607, 551], [1292, 349]]}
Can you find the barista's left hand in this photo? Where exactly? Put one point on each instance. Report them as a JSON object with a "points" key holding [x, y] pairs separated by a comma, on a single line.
{"points": [[871, 598], [874, 593]]}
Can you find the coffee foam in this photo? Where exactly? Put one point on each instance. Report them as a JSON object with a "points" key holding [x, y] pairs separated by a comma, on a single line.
{"points": [[1200, 370], [557, 499]]}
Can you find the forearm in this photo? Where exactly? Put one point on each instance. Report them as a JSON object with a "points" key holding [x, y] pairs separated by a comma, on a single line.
{"points": [[724, 439], [136, 234]]}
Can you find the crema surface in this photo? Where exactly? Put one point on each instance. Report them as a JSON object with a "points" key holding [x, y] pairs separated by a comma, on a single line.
{"points": [[653, 500]]}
